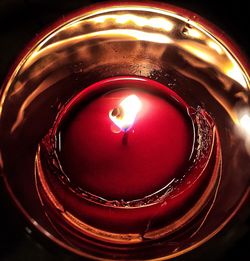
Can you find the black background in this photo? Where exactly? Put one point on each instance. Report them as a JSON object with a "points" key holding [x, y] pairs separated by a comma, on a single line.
{"points": [[20, 22]]}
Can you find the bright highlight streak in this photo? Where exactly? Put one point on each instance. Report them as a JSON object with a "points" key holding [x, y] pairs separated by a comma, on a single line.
{"points": [[125, 115], [215, 46], [245, 123], [153, 22], [235, 72]]}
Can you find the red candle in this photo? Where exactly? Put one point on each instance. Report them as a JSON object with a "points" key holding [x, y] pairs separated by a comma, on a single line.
{"points": [[158, 144], [129, 156]]}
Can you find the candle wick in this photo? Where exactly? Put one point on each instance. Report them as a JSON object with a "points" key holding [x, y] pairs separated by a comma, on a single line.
{"points": [[125, 138]]}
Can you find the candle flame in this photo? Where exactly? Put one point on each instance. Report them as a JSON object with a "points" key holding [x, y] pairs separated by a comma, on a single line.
{"points": [[125, 114]]}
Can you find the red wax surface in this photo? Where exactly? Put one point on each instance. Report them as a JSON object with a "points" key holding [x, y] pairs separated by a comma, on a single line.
{"points": [[158, 147]]}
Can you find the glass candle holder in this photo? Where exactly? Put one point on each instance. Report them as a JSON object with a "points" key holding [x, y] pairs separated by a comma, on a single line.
{"points": [[125, 132]]}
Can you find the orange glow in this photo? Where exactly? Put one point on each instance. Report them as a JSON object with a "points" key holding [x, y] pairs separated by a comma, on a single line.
{"points": [[224, 61]]}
